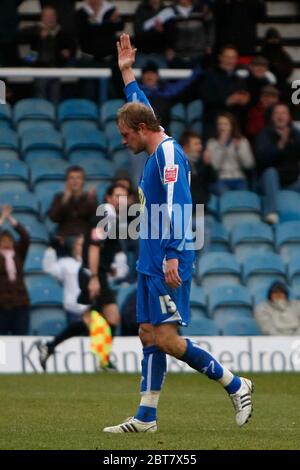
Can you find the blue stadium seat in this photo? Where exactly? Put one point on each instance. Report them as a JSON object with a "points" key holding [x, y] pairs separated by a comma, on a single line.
{"points": [[194, 111], [213, 206], [178, 113], [294, 274], [122, 160], [101, 190], [115, 143], [9, 148], [5, 116], [34, 108], [216, 269], [21, 201], [239, 206], [228, 298], [34, 125], [42, 170], [13, 175], [288, 203], [41, 139], [251, 238], [97, 168], [260, 294], [197, 126], [46, 190], [197, 298], [86, 139], [242, 327], [41, 281], [263, 268], [37, 230], [109, 110], [68, 127], [34, 259], [176, 129], [45, 294], [47, 321], [111, 129], [77, 108], [200, 327], [31, 156], [288, 240], [219, 238]]}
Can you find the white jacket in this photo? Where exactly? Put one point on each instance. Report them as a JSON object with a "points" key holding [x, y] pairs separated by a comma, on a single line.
{"points": [[66, 271]]}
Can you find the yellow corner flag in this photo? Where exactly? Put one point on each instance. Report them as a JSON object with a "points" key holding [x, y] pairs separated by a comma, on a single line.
{"points": [[101, 340]]}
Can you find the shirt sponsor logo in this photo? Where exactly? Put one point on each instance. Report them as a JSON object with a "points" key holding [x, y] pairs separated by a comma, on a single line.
{"points": [[170, 174]]}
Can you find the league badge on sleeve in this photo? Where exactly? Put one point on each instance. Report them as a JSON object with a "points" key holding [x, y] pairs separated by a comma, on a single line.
{"points": [[170, 174]]}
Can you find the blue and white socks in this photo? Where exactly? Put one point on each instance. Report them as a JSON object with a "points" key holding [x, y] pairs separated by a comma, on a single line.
{"points": [[204, 362], [154, 367]]}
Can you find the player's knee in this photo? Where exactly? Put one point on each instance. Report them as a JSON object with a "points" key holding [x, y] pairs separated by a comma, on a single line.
{"points": [[146, 335]]}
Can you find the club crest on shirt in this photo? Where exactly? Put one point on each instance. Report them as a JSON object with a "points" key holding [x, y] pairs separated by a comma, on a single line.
{"points": [[170, 174]]}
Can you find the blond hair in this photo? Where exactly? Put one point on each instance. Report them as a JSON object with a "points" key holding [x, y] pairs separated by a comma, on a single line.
{"points": [[134, 114]]}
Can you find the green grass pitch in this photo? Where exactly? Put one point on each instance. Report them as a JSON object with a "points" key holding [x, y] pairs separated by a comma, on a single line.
{"points": [[69, 412]]}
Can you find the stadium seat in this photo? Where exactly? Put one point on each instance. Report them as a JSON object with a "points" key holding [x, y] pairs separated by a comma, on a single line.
{"points": [[32, 156], [178, 113], [239, 206], [288, 240], [5, 116], [225, 299], [13, 175], [260, 294], [37, 230], [263, 268], [101, 190], [115, 143], [33, 125], [197, 127], [288, 203], [9, 148], [21, 201], [242, 327], [111, 129], [216, 269], [122, 160], [200, 327], [109, 110], [251, 238], [34, 259], [47, 321], [91, 139], [194, 111], [97, 168], [294, 274], [33, 108], [46, 190], [45, 294], [176, 129], [68, 127], [213, 206], [42, 170], [219, 240], [41, 139], [197, 298], [77, 108]]}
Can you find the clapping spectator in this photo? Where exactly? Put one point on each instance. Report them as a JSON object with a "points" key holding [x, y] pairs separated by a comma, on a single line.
{"points": [[14, 300], [231, 155], [278, 315], [73, 209], [278, 157]]}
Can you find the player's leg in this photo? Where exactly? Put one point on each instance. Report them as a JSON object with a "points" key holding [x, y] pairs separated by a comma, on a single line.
{"points": [[239, 389]]}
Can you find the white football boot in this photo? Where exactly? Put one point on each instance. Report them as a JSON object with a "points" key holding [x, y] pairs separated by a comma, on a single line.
{"points": [[132, 425], [242, 402]]}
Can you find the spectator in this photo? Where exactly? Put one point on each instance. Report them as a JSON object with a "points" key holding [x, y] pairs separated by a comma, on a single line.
{"points": [[278, 315], [97, 23], [14, 300], [8, 32], [66, 270], [230, 155], [224, 90], [163, 94], [190, 33], [150, 32], [259, 77], [280, 62], [236, 24], [73, 209], [259, 115], [65, 13], [50, 47], [278, 156]]}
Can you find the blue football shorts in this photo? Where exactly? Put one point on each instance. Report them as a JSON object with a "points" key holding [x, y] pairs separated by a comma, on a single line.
{"points": [[157, 303]]}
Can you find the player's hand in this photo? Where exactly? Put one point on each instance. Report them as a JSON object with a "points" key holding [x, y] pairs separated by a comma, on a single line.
{"points": [[94, 287], [172, 277], [126, 53]]}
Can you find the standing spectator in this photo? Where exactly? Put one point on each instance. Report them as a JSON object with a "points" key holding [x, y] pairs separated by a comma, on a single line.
{"points": [[231, 155], [236, 24], [278, 157], [224, 90], [8, 32], [259, 115], [73, 209], [278, 315], [190, 33], [65, 13], [280, 62], [66, 270], [50, 47], [259, 77], [97, 23], [150, 32], [14, 301]]}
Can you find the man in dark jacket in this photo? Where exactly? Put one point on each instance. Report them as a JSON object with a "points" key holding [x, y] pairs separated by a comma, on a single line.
{"points": [[278, 157], [14, 300]]}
